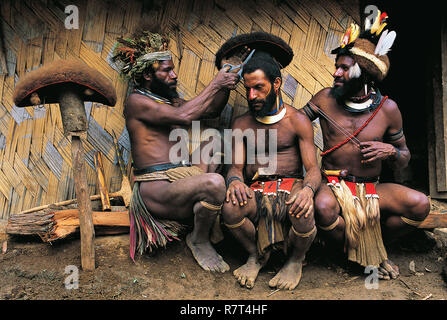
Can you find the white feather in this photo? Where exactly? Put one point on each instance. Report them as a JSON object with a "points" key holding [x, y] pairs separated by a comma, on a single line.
{"points": [[368, 24], [355, 71], [384, 46], [379, 43]]}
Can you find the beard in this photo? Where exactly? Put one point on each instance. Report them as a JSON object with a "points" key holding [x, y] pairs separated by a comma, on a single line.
{"points": [[267, 105], [349, 89], [164, 89]]}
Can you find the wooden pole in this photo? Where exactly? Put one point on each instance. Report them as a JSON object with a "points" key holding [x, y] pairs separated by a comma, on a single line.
{"points": [[84, 205], [74, 120], [105, 197]]}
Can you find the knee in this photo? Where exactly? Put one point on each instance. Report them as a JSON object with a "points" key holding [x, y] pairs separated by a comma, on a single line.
{"points": [[419, 206], [303, 223], [326, 211], [232, 214], [214, 187]]}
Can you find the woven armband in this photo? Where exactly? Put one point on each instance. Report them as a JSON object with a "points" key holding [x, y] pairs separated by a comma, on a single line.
{"points": [[394, 136], [310, 112]]}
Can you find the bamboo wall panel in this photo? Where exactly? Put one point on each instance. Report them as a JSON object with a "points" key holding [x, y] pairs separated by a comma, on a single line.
{"points": [[35, 157]]}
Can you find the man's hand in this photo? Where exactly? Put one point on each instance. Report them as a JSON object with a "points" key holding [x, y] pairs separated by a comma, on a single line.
{"points": [[226, 80], [236, 59], [239, 193], [376, 150], [302, 203]]}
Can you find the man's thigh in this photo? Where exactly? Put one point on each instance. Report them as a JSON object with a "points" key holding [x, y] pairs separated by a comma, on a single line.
{"points": [[397, 199], [175, 200]]}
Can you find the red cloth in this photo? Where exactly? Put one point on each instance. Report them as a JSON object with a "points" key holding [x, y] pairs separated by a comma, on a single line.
{"points": [[271, 187], [369, 187]]}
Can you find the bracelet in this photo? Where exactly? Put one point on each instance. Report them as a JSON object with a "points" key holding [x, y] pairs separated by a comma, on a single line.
{"points": [[231, 179], [398, 154], [310, 187]]}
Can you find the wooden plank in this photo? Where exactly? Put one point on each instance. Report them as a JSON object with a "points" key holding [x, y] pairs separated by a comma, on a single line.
{"points": [[440, 111], [435, 219]]}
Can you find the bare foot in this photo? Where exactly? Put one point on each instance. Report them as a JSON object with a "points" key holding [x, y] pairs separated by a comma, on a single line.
{"points": [[206, 256], [288, 277], [246, 275], [388, 270]]}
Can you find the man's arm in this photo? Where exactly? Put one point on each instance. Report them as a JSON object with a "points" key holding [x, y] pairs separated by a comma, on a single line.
{"points": [[149, 111], [217, 105], [394, 148], [302, 200], [237, 191], [317, 100]]}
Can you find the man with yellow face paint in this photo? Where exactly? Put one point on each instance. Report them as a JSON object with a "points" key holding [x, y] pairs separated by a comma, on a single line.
{"points": [[267, 210]]}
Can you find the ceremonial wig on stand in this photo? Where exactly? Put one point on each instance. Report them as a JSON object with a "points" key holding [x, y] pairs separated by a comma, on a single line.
{"points": [[369, 49]]}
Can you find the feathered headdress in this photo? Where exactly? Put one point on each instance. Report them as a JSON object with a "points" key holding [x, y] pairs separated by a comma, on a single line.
{"points": [[135, 55], [370, 48]]}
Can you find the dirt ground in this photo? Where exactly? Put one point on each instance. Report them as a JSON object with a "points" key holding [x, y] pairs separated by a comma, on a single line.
{"points": [[32, 270]]}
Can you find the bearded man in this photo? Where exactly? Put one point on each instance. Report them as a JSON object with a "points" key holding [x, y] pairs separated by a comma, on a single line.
{"points": [[265, 208], [361, 129], [165, 192]]}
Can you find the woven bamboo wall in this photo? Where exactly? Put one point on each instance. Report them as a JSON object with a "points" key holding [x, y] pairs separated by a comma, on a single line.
{"points": [[35, 164]]}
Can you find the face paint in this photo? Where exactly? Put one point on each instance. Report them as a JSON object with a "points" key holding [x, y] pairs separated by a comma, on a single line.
{"points": [[267, 104]]}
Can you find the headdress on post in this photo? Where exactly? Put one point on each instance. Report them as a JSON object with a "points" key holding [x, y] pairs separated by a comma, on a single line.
{"points": [[369, 49], [135, 55]]}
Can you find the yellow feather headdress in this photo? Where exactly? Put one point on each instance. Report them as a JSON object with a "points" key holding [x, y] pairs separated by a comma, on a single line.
{"points": [[370, 47]]}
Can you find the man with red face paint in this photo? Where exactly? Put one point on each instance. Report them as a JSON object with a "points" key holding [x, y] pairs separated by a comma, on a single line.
{"points": [[271, 210], [361, 129], [167, 192]]}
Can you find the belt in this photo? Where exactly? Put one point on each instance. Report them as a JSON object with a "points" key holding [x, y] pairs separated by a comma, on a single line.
{"points": [[277, 177], [159, 167], [354, 179]]}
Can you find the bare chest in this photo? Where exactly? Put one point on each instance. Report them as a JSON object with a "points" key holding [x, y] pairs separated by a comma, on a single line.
{"points": [[365, 126]]}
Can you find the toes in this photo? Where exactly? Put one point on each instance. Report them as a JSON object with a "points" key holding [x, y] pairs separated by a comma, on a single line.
{"points": [[273, 283], [225, 267], [242, 280], [383, 271], [281, 285], [250, 284]]}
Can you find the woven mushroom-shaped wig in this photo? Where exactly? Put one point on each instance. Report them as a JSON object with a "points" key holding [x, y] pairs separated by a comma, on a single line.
{"points": [[261, 41], [43, 86]]}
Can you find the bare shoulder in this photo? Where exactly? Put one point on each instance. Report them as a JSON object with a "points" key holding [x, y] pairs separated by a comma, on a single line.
{"points": [[391, 109], [321, 96], [137, 103], [390, 106], [296, 116], [242, 121], [299, 121]]}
